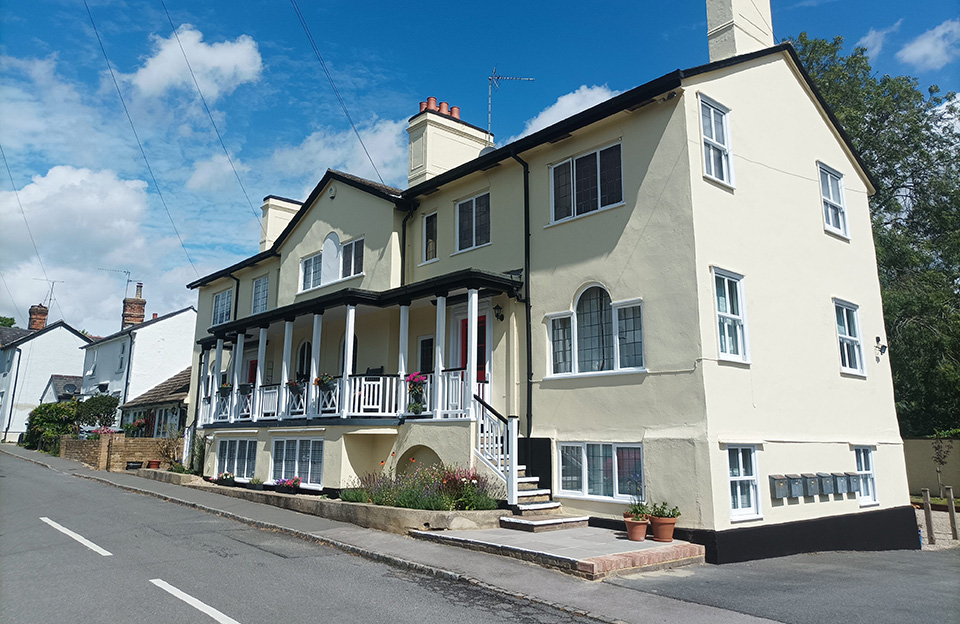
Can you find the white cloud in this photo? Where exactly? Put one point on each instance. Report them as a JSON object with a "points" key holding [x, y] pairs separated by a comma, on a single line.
{"points": [[215, 175], [874, 39], [219, 67], [565, 106], [934, 48]]}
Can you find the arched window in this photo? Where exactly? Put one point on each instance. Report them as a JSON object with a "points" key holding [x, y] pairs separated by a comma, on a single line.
{"points": [[304, 354], [594, 331], [598, 336]]}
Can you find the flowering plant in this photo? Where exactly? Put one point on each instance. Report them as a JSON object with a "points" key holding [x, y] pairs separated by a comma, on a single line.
{"points": [[416, 378], [293, 482], [225, 476], [104, 431], [325, 379], [140, 423], [226, 384]]}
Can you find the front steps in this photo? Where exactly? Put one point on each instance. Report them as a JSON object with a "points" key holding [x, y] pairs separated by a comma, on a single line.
{"points": [[536, 511]]}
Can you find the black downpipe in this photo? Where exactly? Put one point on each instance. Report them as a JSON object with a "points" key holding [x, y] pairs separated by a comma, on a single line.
{"points": [[526, 293], [403, 245], [236, 296]]}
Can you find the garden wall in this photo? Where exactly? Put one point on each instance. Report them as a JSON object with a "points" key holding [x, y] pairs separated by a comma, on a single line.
{"points": [[112, 452], [922, 472]]}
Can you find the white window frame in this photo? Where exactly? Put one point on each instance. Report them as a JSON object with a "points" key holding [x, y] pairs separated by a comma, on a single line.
{"points": [[850, 340], [121, 356], [752, 482], [306, 481], [837, 204], [582, 493], [223, 464], [315, 259], [343, 256], [708, 144], [456, 211], [436, 238], [615, 307], [221, 314], [739, 321], [866, 475], [263, 283], [573, 185]]}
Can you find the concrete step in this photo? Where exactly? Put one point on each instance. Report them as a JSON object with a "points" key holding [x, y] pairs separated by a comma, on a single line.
{"points": [[539, 495], [528, 483], [533, 524], [541, 508]]}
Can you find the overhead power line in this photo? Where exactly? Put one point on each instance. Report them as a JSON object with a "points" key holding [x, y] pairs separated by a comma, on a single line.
{"points": [[16, 307], [143, 153], [333, 85]]}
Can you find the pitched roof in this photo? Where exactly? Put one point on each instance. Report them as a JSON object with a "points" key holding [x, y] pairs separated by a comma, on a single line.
{"points": [[40, 332], [9, 334], [138, 326], [60, 383], [174, 389]]}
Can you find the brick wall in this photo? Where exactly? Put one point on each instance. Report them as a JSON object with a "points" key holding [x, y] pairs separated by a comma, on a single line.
{"points": [[112, 452], [87, 452]]}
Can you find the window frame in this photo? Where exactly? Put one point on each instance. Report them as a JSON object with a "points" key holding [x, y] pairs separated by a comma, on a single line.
{"points": [[265, 280], [228, 293], [855, 340], [436, 238], [222, 457], [725, 148], [352, 244], [315, 259], [840, 204], [456, 210], [573, 186], [753, 512], [615, 307], [584, 475], [122, 356], [305, 482], [740, 319], [870, 475]]}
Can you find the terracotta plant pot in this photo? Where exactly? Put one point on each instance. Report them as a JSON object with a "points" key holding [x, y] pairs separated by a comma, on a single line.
{"points": [[153, 464], [662, 528], [636, 529]]}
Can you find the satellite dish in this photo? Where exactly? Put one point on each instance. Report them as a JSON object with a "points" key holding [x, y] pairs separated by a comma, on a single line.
{"points": [[487, 150], [70, 388]]}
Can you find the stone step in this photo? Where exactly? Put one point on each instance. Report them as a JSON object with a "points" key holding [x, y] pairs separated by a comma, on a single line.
{"points": [[539, 495], [537, 508], [535, 524]]}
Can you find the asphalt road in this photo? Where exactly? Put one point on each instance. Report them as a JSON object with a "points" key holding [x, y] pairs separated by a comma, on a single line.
{"points": [[247, 575]]}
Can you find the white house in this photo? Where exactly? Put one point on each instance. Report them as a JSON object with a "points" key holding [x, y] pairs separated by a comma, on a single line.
{"points": [[27, 363], [141, 355]]}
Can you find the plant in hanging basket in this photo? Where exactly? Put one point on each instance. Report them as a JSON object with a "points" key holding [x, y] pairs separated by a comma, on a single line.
{"points": [[245, 388], [295, 387], [324, 381], [225, 390]]}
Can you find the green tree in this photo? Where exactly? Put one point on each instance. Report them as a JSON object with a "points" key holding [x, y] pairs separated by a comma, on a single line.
{"points": [[910, 142], [97, 410], [7, 321], [47, 422]]}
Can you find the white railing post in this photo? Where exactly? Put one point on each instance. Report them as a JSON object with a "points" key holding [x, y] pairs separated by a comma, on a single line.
{"points": [[314, 394], [511, 456], [256, 404], [285, 368], [439, 347], [348, 354], [472, 341]]}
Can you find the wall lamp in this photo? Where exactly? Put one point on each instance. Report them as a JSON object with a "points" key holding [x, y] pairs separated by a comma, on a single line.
{"points": [[498, 312], [880, 348]]}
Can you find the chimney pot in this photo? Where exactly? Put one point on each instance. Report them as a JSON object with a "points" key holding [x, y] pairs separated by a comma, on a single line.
{"points": [[455, 112], [423, 106], [139, 290], [154, 315], [38, 317], [432, 103], [444, 108]]}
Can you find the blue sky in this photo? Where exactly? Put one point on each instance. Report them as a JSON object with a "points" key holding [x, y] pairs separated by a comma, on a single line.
{"points": [[90, 202]]}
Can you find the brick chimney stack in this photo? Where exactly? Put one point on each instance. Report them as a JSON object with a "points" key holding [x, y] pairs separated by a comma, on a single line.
{"points": [[134, 308], [38, 317]]}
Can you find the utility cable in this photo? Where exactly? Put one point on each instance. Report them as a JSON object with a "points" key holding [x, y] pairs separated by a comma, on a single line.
{"points": [[336, 91], [212, 122], [143, 153], [16, 308]]}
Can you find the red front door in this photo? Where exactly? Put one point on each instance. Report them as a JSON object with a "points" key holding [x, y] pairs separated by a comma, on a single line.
{"points": [[252, 372], [481, 347]]}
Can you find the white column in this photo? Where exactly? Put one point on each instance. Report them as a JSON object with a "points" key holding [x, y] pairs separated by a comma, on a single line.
{"points": [[472, 301], [439, 347], [314, 396], [237, 370], [285, 366], [402, 360], [203, 410], [347, 359], [217, 365], [258, 380]]}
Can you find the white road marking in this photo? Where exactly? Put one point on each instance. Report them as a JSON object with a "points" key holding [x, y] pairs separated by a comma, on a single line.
{"points": [[77, 537], [193, 602]]}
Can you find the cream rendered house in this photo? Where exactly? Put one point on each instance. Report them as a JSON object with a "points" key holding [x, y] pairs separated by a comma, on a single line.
{"points": [[675, 289]]}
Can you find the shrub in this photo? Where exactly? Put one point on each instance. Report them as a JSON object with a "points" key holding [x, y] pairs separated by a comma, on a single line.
{"points": [[46, 423], [355, 495], [428, 487]]}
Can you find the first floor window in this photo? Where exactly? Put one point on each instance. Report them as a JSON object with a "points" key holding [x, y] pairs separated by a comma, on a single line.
{"points": [[238, 457], [607, 470], [848, 334], [351, 258], [598, 336], [260, 287], [831, 188], [430, 237], [742, 463], [473, 222], [716, 141], [587, 183], [868, 488], [730, 315], [222, 302], [298, 458], [310, 271], [425, 357]]}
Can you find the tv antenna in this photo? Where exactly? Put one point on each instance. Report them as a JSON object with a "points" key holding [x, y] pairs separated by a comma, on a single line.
{"points": [[494, 81], [126, 286], [48, 300]]}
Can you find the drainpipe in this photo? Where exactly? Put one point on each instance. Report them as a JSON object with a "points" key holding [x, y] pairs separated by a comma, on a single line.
{"points": [[236, 295], [403, 245], [13, 394], [526, 293]]}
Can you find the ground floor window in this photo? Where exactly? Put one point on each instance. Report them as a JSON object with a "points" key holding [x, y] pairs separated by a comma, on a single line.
{"points": [[238, 457], [742, 463], [298, 458], [868, 488], [597, 469]]}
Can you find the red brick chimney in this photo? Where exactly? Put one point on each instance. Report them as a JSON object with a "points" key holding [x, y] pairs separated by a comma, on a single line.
{"points": [[134, 308], [38, 317]]}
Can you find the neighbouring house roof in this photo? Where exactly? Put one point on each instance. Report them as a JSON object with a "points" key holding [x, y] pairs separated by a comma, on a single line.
{"points": [[174, 389], [138, 326], [9, 334], [61, 385], [36, 334]]}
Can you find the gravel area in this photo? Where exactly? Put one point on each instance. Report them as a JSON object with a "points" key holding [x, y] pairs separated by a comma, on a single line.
{"points": [[941, 530]]}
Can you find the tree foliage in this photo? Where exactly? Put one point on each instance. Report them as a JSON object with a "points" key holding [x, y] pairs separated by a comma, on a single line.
{"points": [[47, 422], [7, 321], [97, 410], [910, 142]]}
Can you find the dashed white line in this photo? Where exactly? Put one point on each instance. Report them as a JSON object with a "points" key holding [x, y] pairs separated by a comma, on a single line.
{"points": [[77, 537], [193, 602]]}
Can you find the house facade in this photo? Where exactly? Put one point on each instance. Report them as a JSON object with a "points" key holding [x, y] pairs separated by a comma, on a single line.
{"points": [[139, 356], [28, 360], [672, 294], [163, 408]]}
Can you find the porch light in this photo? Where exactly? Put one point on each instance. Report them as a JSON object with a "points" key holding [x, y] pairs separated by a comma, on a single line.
{"points": [[498, 312]]}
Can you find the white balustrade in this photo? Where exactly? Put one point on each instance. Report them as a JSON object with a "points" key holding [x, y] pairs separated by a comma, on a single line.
{"points": [[296, 400], [269, 401], [222, 411], [244, 406], [330, 398], [373, 395]]}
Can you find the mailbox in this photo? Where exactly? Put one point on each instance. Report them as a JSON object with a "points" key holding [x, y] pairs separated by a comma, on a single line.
{"points": [[795, 485], [853, 482], [811, 484], [826, 483], [778, 486], [840, 482]]}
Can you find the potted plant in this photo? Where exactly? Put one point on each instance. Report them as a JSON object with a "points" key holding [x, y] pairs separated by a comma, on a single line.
{"points": [[225, 390], [226, 478], [324, 382], [287, 486], [245, 388], [663, 520], [636, 527], [416, 383], [255, 484], [637, 508], [295, 387]]}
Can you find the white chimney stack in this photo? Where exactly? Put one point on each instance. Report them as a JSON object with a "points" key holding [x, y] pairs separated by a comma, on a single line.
{"points": [[737, 27]]}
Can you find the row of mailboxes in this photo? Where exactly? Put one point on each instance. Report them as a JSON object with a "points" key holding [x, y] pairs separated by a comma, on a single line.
{"points": [[810, 484]]}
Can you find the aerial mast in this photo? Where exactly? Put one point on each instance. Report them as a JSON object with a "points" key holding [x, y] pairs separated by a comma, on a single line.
{"points": [[494, 81]]}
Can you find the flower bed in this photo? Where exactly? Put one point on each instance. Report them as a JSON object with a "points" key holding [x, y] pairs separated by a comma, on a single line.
{"points": [[428, 487]]}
